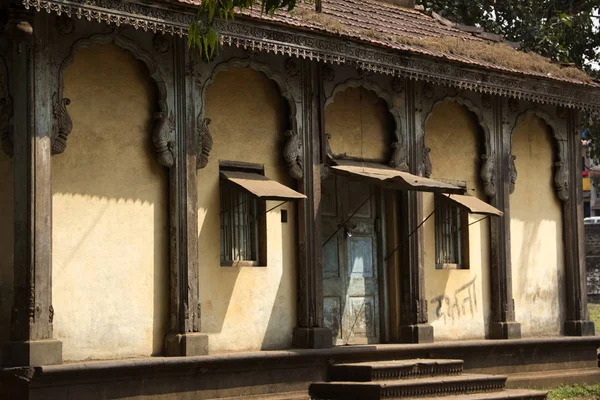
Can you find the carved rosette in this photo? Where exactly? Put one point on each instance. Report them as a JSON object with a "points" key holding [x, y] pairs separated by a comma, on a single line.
{"points": [[293, 154], [561, 181], [328, 73], [399, 157], [292, 69], [205, 143], [163, 133], [512, 173], [488, 174], [6, 129], [426, 160], [62, 124]]}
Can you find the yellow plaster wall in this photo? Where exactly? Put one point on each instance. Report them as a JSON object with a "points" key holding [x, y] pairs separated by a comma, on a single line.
{"points": [[246, 308], [452, 134], [110, 213], [360, 125], [536, 232], [6, 244]]}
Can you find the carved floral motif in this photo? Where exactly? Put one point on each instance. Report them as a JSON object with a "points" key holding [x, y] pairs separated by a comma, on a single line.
{"points": [[161, 43], [513, 105], [65, 25], [488, 174], [426, 160], [328, 73], [62, 124], [293, 154], [397, 84], [428, 91], [486, 100], [292, 68], [205, 143]]}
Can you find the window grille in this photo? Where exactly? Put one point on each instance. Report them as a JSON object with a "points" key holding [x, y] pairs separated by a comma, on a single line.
{"points": [[451, 235], [240, 225]]}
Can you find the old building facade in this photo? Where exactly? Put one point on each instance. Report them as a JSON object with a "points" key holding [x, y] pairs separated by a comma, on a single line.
{"points": [[300, 190]]}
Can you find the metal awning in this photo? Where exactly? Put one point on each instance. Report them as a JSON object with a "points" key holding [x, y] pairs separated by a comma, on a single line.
{"points": [[473, 205], [392, 178], [261, 186]]}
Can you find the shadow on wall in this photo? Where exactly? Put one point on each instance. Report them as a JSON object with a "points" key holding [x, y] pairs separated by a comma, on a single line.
{"points": [[110, 213], [280, 310]]}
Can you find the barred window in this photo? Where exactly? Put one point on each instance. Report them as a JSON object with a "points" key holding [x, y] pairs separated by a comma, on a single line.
{"points": [[242, 226], [451, 235]]}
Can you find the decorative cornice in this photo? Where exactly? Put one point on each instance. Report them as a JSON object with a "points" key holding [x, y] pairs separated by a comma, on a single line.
{"points": [[279, 40]]}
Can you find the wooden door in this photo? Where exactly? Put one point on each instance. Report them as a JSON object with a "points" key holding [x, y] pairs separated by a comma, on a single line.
{"points": [[350, 267]]}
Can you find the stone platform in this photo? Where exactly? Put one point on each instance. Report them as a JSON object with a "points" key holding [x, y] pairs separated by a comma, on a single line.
{"points": [[270, 372]]}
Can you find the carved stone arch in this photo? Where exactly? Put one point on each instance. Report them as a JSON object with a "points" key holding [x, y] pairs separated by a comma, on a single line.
{"points": [[399, 158], [488, 168], [561, 174], [6, 110], [164, 129], [293, 151]]}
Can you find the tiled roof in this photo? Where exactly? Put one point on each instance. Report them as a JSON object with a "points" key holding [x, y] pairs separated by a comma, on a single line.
{"points": [[375, 22]]}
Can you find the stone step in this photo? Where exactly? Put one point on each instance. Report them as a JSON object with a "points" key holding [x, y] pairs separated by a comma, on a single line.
{"points": [[419, 387], [508, 394], [273, 396], [394, 370]]}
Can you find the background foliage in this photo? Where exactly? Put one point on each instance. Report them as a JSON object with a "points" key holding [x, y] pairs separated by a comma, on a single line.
{"points": [[565, 31]]}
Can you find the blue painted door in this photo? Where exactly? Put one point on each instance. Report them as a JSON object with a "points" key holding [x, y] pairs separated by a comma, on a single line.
{"points": [[350, 281]]}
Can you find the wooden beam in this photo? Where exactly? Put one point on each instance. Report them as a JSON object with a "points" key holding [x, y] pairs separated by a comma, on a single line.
{"points": [[31, 342], [184, 337], [309, 332], [502, 324]]}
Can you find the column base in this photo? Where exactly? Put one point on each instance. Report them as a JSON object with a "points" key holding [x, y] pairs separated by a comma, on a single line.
{"points": [[579, 328], [505, 330], [33, 353], [312, 338], [185, 345], [420, 333]]}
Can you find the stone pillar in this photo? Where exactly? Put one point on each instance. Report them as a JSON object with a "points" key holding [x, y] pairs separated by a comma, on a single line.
{"points": [[184, 337], [414, 327], [31, 342], [577, 323], [309, 332], [502, 324]]}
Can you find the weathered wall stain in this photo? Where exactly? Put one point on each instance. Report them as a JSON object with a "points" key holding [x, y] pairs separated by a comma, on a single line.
{"points": [[463, 302]]}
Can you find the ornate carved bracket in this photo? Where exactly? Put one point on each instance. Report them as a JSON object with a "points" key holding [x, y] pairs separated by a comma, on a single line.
{"points": [[399, 158], [293, 154], [427, 167], [163, 132], [488, 174], [62, 124], [512, 173], [561, 180], [205, 143]]}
